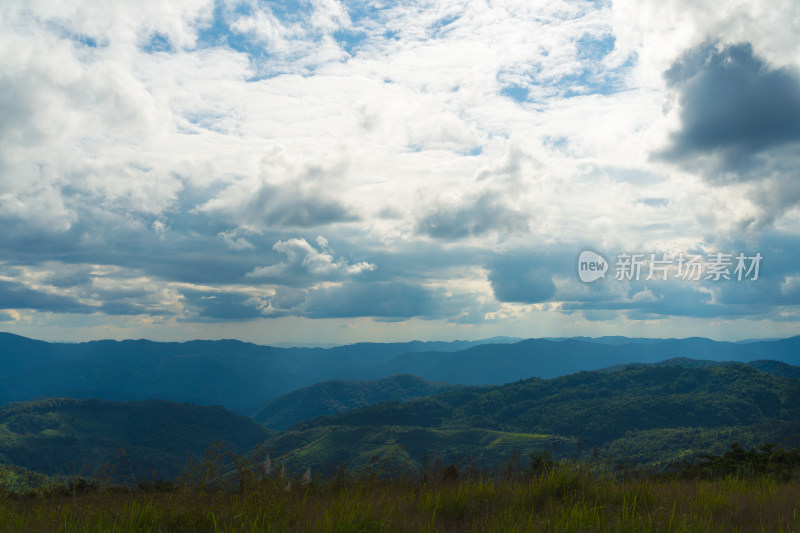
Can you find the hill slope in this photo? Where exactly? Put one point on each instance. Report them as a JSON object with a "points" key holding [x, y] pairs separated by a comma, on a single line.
{"points": [[593, 408], [69, 436], [332, 397], [770, 367]]}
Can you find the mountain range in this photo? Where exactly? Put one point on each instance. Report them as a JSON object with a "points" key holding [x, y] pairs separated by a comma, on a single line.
{"points": [[244, 377], [647, 400], [652, 414]]}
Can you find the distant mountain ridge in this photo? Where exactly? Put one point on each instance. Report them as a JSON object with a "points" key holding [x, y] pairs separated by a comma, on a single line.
{"points": [[227, 372], [240, 375], [496, 364]]}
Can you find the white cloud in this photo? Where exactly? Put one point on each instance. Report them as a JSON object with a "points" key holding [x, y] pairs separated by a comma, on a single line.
{"points": [[363, 125], [303, 259], [658, 32], [234, 241]]}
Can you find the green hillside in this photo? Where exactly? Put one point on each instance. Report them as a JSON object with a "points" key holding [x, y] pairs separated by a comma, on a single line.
{"points": [[647, 414], [66, 436], [18, 480], [333, 397], [400, 447], [776, 367], [764, 365]]}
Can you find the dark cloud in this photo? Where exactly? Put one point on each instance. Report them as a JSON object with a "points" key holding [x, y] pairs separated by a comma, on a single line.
{"points": [[66, 277], [183, 244], [477, 216], [220, 305], [417, 260], [286, 298], [21, 242], [522, 280], [291, 205], [147, 300], [778, 283], [733, 107], [530, 276], [778, 287], [17, 296], [657, 299], [188, 250], [305, 212], [600, 316], [386, 300]]}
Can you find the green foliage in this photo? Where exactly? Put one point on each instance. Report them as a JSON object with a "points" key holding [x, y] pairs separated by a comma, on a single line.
{"points": [[654, 415], [658, 414], [357, 446], [664, 446], [763, 460], [120, 440], [21, 481], [333, 397], [778, 368], [424, 412]]}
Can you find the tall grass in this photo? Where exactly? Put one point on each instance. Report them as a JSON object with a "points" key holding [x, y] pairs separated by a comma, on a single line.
{"points": [[563, 497]]}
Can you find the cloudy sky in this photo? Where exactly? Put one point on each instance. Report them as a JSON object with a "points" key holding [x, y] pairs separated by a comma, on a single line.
{"points": [[335, 171]]}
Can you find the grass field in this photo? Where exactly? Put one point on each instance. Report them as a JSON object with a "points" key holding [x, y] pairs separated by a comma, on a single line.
{"points": [[560, 498]]}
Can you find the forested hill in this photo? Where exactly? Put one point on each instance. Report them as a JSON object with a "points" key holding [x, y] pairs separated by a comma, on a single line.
{"points": [[332, 397], [651, 414], [69, 436], [770, 367], [669, 409]]}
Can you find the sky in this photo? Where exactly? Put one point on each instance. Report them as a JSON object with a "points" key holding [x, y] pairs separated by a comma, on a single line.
{"points": [[342, 171]]}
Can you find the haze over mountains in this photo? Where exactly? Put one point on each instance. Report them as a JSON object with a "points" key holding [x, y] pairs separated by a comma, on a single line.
{"points": [[652, 414], [243, 376], [649, 400]]}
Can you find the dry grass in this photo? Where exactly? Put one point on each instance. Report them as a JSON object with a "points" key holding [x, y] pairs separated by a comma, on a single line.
{"points": [[564, 498]]}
